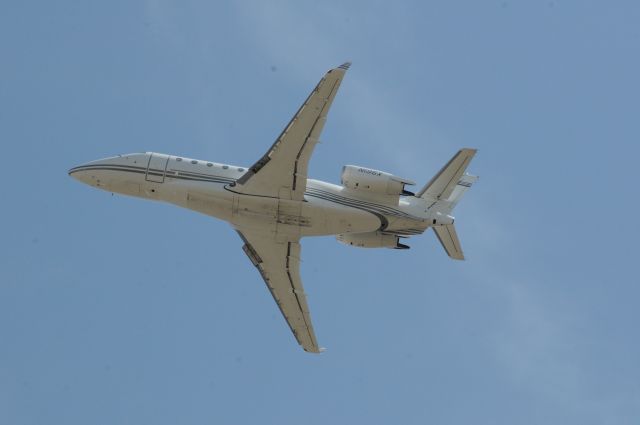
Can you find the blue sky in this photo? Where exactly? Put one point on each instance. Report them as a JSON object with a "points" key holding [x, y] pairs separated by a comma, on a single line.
{"points": [[116, 310]]}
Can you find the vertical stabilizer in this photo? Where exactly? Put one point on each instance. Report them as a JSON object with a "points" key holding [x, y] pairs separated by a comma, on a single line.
{"points": [[442, 185]]}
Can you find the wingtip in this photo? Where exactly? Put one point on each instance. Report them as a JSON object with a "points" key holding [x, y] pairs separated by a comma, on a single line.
{"points": [[314, 350], [345, 66]]}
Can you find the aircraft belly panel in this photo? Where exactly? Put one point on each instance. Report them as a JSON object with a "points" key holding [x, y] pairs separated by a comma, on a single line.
{"points": [[404, 223], [289, 219], [255, 212], [328, 218], [210, 205]]}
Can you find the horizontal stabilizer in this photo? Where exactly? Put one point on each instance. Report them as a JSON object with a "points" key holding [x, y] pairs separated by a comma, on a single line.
{"points": [[449, 239]]}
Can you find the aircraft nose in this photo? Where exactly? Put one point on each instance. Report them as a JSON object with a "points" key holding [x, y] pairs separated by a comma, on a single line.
{"points": [[103, 173], [91, 172], [81, 174]]}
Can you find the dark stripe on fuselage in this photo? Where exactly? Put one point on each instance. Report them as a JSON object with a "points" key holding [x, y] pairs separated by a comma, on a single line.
{"points": [[382, 209], [378, 210], [384, 223], [201, 175], [381, 215], [112, 166], [174, 174], [407, 232], [193, 176], [107, 168]]}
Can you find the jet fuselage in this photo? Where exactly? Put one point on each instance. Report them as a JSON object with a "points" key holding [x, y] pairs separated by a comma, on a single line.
{"points": [[208, 187]]}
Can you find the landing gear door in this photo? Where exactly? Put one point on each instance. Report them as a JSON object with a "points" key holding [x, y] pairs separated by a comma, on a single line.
{"points": [[157, 168]]}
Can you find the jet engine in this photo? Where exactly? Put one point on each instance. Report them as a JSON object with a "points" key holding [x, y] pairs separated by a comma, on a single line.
{"points": [[372, 240], [373, 181]]}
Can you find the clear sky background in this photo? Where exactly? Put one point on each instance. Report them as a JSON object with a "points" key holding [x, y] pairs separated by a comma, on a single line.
{"points": [[116, 310]]}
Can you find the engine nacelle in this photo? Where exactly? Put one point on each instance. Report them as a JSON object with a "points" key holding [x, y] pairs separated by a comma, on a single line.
{"points": [[373, 181], [372, 240]]}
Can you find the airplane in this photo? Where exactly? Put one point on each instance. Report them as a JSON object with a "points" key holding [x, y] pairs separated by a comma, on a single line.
{"points": [[273, 204]]}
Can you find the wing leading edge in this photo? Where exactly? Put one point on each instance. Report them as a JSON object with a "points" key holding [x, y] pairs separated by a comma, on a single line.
{"points": [[282, 171], [279, 265]]}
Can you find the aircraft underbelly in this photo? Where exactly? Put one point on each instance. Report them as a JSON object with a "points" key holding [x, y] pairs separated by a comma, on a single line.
{"points": [[299, 218], [205, 198], [329, 218], [312, 217]]}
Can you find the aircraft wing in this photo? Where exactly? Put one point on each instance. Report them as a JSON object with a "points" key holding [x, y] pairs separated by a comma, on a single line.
{"points": [[279, 265], [282, 171]]}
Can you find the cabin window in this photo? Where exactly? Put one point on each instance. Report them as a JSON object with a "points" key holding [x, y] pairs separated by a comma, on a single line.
{"points": [[178, 159], [224, 167], [194, 162], [241, 169], [209, 164]]}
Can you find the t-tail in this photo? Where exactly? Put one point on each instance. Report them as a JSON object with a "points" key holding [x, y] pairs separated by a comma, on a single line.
{"points": [[442, 194]]}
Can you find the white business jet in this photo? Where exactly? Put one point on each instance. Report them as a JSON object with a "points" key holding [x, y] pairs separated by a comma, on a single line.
{"points": [[273, 204]]}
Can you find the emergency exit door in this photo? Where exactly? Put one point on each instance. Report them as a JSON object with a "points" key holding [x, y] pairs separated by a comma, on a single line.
{"points": [[157, 168]]}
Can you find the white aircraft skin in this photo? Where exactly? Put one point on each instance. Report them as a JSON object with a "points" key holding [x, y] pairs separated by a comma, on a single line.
{"points": [[209, 189], [272, 208]]}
